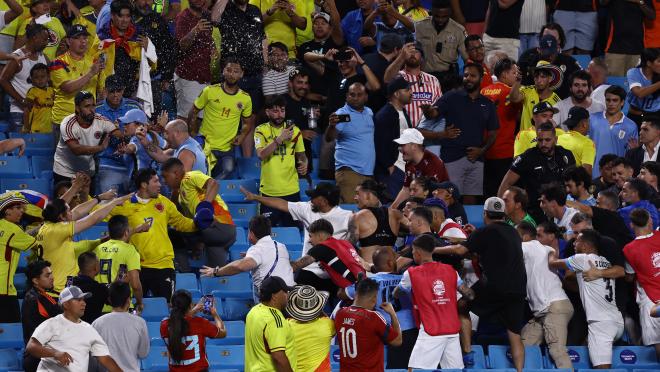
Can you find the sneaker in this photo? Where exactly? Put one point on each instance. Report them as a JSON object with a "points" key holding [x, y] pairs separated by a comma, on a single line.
{"points": [[468, 359]]}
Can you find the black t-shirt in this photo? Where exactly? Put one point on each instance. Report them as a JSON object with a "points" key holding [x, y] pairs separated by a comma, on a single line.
{"points": [[452, 260], [338, 89], [610, 223], [474, 11], [576, 5], [242, 35], [377, 64], [499, 250], [327, 255], [536, 169], [99, 296], [319, 83], [626, 27], [504, 23], [458, 214]]}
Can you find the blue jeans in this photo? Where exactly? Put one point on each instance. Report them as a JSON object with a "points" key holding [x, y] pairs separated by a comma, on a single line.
{"points": [[528, 41], [113, 179], [224, 168]]}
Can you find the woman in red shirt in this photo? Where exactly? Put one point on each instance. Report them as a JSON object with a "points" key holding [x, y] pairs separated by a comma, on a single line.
{"points": [[185, 334]]}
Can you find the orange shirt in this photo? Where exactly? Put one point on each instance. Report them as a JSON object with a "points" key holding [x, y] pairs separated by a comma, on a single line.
{"points": [[507, 114], [652, 30]]}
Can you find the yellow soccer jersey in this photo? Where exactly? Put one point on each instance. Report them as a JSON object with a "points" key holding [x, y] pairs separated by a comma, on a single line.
{"points": [[222, 115], [525, 140], [55, 244], [266, 327], [14, 240], [113, 253], [531, 98], [63, 69], [582, 147], [154, 246], [191, 192], [279, 27], [279, 176], [39, 118], [312, 342]]}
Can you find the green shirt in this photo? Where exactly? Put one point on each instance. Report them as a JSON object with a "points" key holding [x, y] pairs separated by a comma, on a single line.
{"points": [[527, 218]]}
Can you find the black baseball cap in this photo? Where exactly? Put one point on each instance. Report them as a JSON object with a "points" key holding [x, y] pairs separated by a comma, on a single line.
{"points": [[272, 285], [325, 190], [77, 30], [575, 115], [544, 106], [451, 187], [81, 96], [396, 84]]}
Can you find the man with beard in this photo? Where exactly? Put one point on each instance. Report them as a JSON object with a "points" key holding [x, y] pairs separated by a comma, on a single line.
{"points": [[282, 153], [82, 135], [155, 28], [324, 204], [390, 123], [425, 87], [224, 106], [299, 110], [192, 31], [328, 35], [537, 166], [474, 115], [580, 83], [442, 40]]}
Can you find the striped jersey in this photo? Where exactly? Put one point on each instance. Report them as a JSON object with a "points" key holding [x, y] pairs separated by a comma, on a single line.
{"points": [[425, 91]]}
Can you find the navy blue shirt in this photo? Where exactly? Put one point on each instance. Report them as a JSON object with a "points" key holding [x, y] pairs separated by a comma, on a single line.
{"points": [[472, 117]]}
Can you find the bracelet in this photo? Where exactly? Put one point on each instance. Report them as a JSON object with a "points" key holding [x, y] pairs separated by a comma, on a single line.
{"points": [[215, 271]]}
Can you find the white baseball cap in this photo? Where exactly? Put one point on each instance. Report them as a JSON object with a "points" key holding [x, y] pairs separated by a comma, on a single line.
{"points": [[410, 135], [494, 204], [73, 293]]}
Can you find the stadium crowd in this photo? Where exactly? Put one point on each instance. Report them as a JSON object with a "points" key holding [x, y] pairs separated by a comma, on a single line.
{"points": [[373, 126]]}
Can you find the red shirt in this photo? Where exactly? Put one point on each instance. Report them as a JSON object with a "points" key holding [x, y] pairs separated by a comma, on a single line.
{"points": [[434, 287], [194, 354], [644, 257], [193, 63], [507, 113], [431, 167], [487, 79], [361, 335]]}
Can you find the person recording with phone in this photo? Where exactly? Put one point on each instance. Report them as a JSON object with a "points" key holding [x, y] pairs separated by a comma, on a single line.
{"points": [[280, 147], [183, 327]]}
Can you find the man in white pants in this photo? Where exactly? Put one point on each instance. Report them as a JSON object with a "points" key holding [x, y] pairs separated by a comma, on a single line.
{"points": [[598, 297]]}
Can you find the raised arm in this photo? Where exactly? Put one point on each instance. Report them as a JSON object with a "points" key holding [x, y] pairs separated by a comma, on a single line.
{"points": [[232, 268], [269, 201], [456, 249], [15, 9], [99, 214], [337, 34], [393, 69], [217, 10]]}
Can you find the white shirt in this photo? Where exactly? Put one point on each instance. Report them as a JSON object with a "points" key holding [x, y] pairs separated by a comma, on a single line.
{"points": [[452, 232], [338, 218], [77, 339], [543, 285], [66, 163], [598, 296], [20, 79], [655, 153], [265, 255], [403, 125], [566, 104], [565, 220], [532, 17], [598, 95]]}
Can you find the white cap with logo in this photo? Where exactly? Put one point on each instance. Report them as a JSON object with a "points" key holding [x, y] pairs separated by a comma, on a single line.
{"points": [[410, 135], [494, 204], [73, 293]]}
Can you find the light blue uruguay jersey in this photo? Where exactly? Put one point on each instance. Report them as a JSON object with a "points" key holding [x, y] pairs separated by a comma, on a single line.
{"points": [[403, 305], [650, 103]]}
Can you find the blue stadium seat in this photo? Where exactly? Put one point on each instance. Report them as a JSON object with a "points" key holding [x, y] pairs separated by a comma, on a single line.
{"points": [[475, 214], [155, 309], [499, 356], [235, 286], [236, 308], [230, 190], [237, 251], [15, 167], [41, 185], [479, 358], [349, 207], [41, 164], [583, 60], [242, 213], [11, 336], [334, 356], [579, 357], [241, 235], [93, 233], [286, 235], [618, 80], [9, 360], [225, 356], [44, 140], [157, 359], [153, 329], [544, 370], [4, 126], [634, 357], [249, 168], [20, 282], [294, 246], [186, 281], [235, 334], [612, 370], [23, 262], [295, 255]]}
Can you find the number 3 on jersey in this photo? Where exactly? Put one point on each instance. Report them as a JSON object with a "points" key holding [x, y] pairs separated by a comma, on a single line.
{"points": [[348, 342]]}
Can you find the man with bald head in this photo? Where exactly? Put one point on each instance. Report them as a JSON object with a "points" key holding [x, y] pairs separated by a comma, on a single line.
{"points": [[352, 126], [181, 146]]}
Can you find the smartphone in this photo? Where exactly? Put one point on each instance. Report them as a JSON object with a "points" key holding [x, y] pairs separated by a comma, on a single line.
{"points": [[69, 281], [122, 273], [343, 55], [209, 302], [344, 118], [290, 124], [102, 58]]}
